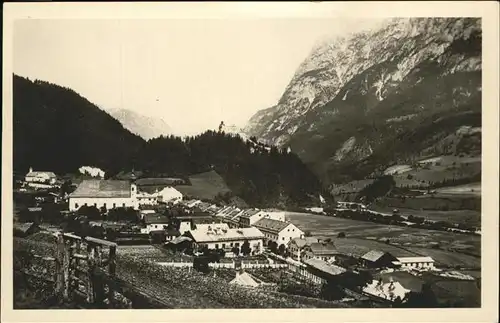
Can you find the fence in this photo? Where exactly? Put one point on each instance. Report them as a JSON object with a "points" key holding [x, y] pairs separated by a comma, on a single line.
{"points": [[230, 265], [84, 272]]}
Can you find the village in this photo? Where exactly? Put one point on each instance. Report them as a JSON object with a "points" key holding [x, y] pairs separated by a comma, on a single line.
{"points": [[249, 247]]}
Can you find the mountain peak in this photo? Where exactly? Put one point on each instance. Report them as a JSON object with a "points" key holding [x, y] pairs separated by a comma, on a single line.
{"points": [[141, 125]]}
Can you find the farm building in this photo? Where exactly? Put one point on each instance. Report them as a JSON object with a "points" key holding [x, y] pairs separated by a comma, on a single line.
{"points": [[297, 245], [278, 231], [321, 270], [390, 290], [104, 193], [378, 259], [227, 238], [426, 263], [40, 177], [325, 251]]}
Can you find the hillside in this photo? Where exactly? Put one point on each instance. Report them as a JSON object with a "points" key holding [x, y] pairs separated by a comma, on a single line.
{"points": [[144, 126], [57, 129], [394, 95], [261, 175]]}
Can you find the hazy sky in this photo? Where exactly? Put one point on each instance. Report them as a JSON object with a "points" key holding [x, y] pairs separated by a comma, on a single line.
{"points": [[192, 73]]}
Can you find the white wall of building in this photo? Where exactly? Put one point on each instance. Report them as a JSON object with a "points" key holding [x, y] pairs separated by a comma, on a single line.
{"points": [[418, 265], [115, 202], [255, 244]]}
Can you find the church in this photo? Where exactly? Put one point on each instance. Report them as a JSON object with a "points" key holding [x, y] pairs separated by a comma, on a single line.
{"points": [[104, 193]]}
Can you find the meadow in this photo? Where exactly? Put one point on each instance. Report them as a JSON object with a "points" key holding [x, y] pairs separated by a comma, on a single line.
{"points": [[204, 186], [370, 235]]}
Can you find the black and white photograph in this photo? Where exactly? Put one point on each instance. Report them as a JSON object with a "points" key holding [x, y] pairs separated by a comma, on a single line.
{"points": [[330, 162]]}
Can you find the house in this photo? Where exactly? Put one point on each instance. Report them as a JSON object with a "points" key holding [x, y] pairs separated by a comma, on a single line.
{"points": [[104, 193], [378, 259], [171, 234], [226, 239], [325, 251], [169, 195], [154, 222], [278, 231], [40, 177], [422, 263], [191, 203], [211, 226], [296, 246], [144, 198]]}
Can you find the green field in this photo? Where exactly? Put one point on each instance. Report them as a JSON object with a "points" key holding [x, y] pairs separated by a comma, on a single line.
{"points": [[204, 186], [368, 233]]}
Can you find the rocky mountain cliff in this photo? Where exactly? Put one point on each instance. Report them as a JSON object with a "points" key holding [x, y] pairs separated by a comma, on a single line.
{"points": [[144, 126], [407, 90]]}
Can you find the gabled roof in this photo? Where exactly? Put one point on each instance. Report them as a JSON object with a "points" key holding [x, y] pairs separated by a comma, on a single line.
{"points": [[155, 219], [271, 225], [318, 248], [249, 212], [302, 242], [102, 188], [244, 279], [373, 255], [324, 266], [405, 260], [36, 174]]}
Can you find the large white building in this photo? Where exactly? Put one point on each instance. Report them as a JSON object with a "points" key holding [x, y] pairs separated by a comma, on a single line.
{"points": [[169, 195], [144, 198], [104, 193], [422, 263], [40, 177], [278, 231], [226, 239]]}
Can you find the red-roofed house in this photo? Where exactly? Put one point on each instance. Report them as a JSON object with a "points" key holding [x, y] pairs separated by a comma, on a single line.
{"points": [[104, 193]]}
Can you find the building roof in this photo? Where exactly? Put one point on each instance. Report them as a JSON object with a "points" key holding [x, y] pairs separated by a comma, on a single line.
{"points": [[172, 232], [102, 188], [180, 239], [390, 290], [155, 219], [405, 260], [406, 279], [302, 242], [36, 174], [226, 235], [249, 212], [244, 279], [324, 266], [24, 227], [271, 225], [34, 209], [212, 226], [373, 255], [318, 248]]}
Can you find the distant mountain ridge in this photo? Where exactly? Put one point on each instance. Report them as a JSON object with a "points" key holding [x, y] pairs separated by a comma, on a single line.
{"points": [[141, 125], [393, 94]]}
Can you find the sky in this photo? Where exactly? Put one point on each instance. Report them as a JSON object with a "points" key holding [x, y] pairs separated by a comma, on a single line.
{"points": [[192, 73]]}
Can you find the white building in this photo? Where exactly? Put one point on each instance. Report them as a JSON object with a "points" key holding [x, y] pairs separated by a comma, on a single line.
{"points": [[250, 216], [154, 222], [169, 195], [226, 239], [144, 198], [325, 251], [425, 263], [104, 193], [278, 231], [40, 177]]}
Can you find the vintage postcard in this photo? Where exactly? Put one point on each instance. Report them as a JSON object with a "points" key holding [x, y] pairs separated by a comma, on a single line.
{"points": [[232, 162]]}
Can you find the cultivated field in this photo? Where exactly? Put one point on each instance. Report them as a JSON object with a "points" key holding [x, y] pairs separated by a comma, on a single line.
{"points": [[469, 217], [204, 186], [368, 232]]}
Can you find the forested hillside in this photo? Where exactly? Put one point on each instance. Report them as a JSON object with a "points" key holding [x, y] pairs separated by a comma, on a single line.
{"points": [[56, 129]]}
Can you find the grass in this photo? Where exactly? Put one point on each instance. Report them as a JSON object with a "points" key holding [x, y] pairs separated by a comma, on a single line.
{"points": [[446, 258], [204, 186], [367, 234], [470, 217]]}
